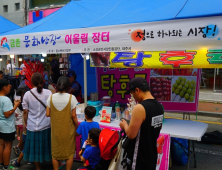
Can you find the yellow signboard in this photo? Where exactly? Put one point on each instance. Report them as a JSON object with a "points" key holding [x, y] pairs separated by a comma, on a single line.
{"points": [[160, 59]]}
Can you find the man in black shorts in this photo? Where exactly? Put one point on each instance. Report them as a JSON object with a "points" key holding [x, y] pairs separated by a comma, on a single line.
{"points": [[145, 125]]}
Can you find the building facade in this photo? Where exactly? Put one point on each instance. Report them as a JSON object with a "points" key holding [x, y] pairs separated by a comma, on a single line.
{"points": [[14, 11], [44, 4], [39, 9]]}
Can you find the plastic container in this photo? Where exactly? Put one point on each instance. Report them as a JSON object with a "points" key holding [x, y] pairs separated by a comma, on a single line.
{"points": [[80, 116], [117, 110], [127, 115], [81, 107], [80, 111], [106, 101], [17, 98], [96, 104], [93, 97], [113, 116]]}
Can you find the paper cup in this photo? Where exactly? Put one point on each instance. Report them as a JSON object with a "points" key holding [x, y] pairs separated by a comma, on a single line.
{"points": [[17, 98]]}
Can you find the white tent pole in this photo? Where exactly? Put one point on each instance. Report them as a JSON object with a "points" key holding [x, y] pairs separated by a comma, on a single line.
{"points": [[85, 81]]}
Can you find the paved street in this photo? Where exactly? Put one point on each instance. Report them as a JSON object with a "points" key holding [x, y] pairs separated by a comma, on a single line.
{"points": [[208, 156], [45, 165], [209, 107]]}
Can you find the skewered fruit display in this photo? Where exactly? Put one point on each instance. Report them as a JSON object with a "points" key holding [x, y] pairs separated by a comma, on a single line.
{"points": [[183, 90], [160, 88], [175, 72]]}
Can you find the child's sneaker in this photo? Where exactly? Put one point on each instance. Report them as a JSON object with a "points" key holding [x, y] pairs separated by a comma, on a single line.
{"points": [[15, 163], [11, 168], [16, 150]]}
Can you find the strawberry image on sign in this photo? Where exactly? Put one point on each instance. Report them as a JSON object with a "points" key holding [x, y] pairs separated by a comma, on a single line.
{"points": [[160, 143], [106, 114]]}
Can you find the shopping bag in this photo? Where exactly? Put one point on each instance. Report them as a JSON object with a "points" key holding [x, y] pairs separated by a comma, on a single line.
{"points": [[115, 163], [179, 151]]}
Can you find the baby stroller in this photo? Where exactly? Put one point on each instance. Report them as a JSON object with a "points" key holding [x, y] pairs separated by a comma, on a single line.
{"points": [[108, 144]]}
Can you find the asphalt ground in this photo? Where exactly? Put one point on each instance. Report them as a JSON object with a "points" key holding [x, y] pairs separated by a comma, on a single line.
{"points": [[45, 165], [208, 156]]}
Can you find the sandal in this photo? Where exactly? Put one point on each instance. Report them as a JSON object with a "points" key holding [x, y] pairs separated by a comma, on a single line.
{"points": [[63, 163]]}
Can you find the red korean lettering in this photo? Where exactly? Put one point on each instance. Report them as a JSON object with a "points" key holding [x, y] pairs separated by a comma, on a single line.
{"points": [[75, 38], [68, 39], [84, 38], [168, 58], [95, 37], [105, 36]]}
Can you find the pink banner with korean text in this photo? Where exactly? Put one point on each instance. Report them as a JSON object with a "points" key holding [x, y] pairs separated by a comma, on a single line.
{"points": [[176, 89]]}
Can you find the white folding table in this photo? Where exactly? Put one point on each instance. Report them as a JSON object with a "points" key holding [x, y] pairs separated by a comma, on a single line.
{"points": [[185, 129]]}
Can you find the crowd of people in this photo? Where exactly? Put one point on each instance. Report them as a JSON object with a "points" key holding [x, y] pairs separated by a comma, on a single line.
{"points": [[47, 124]]}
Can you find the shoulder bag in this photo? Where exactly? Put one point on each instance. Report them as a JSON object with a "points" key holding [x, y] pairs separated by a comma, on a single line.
{"points": [[38, 99]]}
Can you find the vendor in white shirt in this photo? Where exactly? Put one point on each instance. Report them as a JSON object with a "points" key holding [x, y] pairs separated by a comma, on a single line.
{"points": [[22, 66], [9, 65]]}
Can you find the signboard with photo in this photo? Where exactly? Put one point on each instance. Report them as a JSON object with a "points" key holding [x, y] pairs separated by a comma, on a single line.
{"points": [[176, 89]]}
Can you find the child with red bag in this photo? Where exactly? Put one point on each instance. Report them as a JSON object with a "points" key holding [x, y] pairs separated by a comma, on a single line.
{"points": [[91, 156]]}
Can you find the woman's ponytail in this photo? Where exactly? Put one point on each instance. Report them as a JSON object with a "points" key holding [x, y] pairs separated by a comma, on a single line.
{"points": [[39, 88], [37, 81]]}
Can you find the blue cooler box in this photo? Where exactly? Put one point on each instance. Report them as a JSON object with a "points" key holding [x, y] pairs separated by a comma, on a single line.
{"points": [[96, 104]]}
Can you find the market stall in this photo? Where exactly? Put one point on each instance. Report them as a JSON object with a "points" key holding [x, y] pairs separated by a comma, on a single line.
{"points": [[111, 26], [139, 38], [176, 89]]}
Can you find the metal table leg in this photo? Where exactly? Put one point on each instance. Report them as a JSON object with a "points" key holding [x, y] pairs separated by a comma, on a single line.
{"points": [[194, 156], [191, 153], [186, 116], [188, 163]]}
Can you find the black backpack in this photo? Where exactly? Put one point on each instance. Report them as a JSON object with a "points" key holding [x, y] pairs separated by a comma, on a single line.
{"points": [[129, 147], [214, 137]]}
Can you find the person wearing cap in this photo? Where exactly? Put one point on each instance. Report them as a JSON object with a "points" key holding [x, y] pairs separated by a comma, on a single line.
{"points": [[75, 88], [144, 126]]}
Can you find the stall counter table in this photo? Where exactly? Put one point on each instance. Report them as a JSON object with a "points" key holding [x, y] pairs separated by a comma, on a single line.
{"points": [[163, 143], [185, 129]]}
